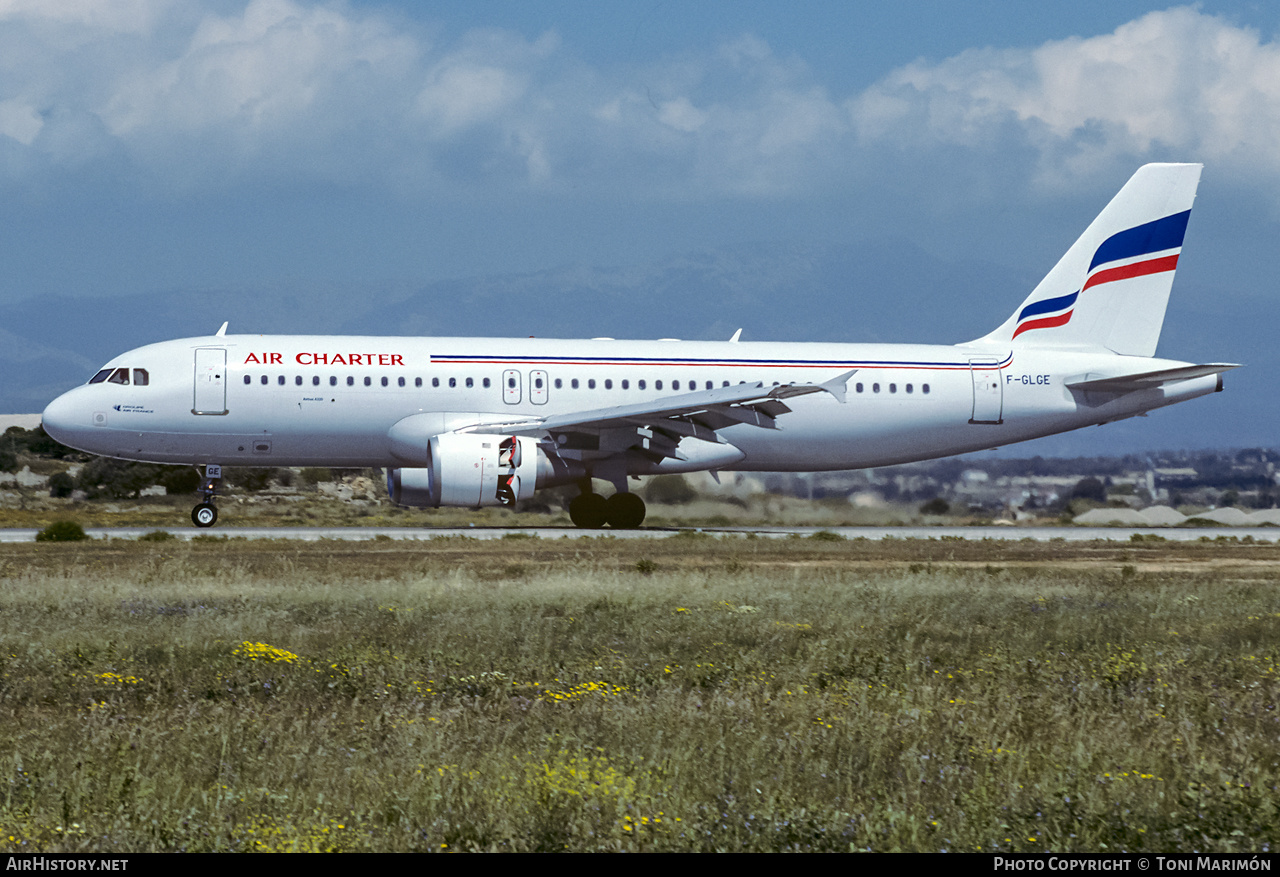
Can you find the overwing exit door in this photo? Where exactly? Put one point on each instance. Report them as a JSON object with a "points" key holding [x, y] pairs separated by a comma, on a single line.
{"points": [[538, 387], [511, 386]]}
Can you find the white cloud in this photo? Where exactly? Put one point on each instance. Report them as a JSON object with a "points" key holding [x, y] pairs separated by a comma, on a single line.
{"points": [[122, 16], [681, 114], [193, 95], [1172, 84], [481, 81], [268, 68], [19, 121]]}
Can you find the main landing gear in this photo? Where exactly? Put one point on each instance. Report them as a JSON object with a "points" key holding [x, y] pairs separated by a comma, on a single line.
{"points": [[206, 513], [622, 511]]}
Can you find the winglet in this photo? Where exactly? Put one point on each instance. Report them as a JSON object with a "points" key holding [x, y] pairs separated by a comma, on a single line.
{"points": [[836, 386], [223, 331]]}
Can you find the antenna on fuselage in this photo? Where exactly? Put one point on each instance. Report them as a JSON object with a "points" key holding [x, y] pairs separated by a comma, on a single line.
{"points": [[223, 331], [736, 336]]}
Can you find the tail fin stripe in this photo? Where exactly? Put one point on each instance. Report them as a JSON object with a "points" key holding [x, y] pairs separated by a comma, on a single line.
{"points": [[1150, 237], [1136, 269], [1046, 323], [1048, 306]]}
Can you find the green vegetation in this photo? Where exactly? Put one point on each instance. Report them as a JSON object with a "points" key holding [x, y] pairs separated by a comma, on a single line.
{"points": [[599, 694], [935, 506], [62, 531]]}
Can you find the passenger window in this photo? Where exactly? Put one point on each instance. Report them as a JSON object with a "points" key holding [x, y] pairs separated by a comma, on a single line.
{"points": [[537, 382], [264, 380], [486, 383], [657, 385], [725, 384], [119, 376], [626, 385], [910, 388], [675, 385], [511, 382], [875, 388], [333, 380], [924, 388], [453, 382], [315, 380], [100, 376], [384, 382], [893, 388], [351, 382], [858, 387], [574, 383], [608, 384], [470, 383], [368, 382], [248, 380], [559, 383], [297, 380], [140, 377], [640, 385], [591, 384]]}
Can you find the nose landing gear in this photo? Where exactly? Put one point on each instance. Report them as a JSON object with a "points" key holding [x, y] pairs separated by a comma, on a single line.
{"points": [[206, 513]]}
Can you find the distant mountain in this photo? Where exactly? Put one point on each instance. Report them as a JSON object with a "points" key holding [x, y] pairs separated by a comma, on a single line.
{"points": [[774, 292]]}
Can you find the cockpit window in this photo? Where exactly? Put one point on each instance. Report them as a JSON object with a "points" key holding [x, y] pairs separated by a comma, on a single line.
{"points": [[100, 376], [140, 377], [119, 376]]}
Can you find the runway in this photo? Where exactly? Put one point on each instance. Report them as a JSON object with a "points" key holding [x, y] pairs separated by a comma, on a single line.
{"points": [[976, 534]]}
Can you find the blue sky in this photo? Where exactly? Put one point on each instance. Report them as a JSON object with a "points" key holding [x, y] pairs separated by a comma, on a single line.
{"points": [[153, 145]]}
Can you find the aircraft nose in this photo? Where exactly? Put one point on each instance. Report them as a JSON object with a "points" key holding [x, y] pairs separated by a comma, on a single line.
{"points": [[64, 419]]}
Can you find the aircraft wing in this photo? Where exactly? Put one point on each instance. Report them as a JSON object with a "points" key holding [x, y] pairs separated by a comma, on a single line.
{"points": [[660, 423], [1148, 380]]}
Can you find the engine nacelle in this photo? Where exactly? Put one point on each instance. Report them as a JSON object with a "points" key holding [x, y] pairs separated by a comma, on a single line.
{"points": [[469, 469]]}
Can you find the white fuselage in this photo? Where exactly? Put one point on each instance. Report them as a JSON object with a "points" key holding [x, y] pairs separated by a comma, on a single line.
{"points": [[331, 400]]}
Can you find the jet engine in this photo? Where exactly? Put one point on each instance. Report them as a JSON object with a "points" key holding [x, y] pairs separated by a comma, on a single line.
{"points": [[469, 469]]}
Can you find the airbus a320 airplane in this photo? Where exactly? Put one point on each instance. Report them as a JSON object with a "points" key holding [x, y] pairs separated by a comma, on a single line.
{"points": [[482, 422]]}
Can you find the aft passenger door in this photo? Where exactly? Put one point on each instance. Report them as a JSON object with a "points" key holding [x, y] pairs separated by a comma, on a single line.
{"points": [[210, 381], [988, 392]]}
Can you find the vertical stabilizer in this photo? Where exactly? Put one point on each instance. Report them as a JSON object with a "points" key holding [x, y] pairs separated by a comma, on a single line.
{"points": [[1111, 288]]}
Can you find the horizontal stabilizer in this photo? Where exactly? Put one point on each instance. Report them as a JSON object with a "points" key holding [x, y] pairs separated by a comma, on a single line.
{"points": [[1147, 380]]}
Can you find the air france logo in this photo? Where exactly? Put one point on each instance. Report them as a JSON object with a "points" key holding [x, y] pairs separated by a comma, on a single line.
{"points": [[1135, 248]]}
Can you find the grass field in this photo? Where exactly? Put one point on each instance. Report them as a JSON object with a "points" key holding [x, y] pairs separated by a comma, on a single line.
{"points": [[690, 693]]}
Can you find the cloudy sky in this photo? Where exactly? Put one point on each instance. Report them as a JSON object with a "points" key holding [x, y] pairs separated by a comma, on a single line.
{"points": [[154, 145]]}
